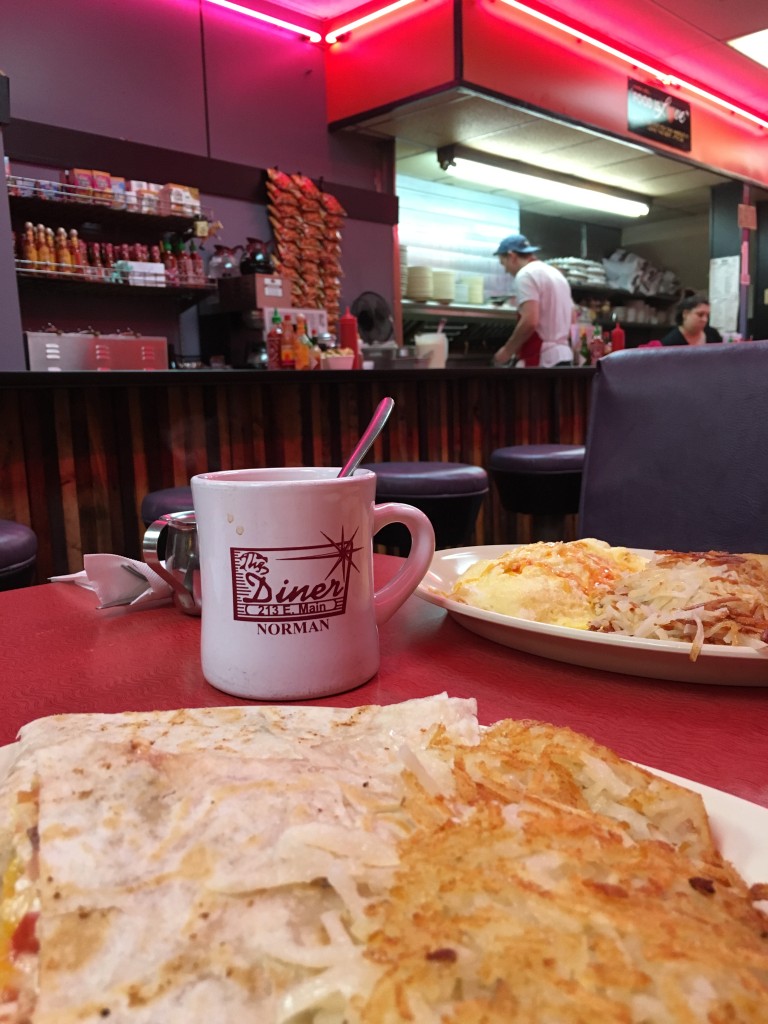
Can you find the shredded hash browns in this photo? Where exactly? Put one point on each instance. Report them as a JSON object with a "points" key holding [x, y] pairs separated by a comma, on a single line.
{"points": [[701, 596], [571, 888]]}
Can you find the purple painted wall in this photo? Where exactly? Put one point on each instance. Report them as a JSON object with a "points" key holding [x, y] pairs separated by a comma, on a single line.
{"points": [[187, 76]]}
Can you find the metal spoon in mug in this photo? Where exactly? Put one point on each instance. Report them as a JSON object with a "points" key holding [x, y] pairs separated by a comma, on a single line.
{"points": [[370, 434]]}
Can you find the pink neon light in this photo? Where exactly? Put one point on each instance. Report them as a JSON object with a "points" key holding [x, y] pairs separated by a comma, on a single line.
{"points": [[333, 37], [663, 76], [312, 36]]}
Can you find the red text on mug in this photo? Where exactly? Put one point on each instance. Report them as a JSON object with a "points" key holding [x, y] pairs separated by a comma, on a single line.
{"points": [[293, 589]]}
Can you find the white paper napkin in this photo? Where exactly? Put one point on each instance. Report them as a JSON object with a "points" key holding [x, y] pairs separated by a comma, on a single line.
{"points": [[117, 580]]}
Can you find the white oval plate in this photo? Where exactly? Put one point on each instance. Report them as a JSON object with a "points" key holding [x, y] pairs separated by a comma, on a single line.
{"points": [[655, 659], [738, 827]]}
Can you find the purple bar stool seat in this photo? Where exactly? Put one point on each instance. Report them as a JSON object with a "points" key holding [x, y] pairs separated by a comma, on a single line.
{"points": [[450, 494], [540, 480], [160, 503], [18, 555]]}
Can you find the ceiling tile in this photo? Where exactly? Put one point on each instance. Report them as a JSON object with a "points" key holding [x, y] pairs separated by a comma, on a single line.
{"points": [[681, 181], [718, 18]]}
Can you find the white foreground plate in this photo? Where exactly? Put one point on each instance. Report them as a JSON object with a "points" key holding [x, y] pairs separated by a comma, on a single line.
{"points": [[739, 828], [656, 659]]}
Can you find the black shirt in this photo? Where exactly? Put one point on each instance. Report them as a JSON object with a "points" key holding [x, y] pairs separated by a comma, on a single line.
{"points": [[676, 337]]}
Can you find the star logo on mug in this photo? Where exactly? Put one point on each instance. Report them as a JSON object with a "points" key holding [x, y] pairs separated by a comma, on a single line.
{"points": [[293, 589]]}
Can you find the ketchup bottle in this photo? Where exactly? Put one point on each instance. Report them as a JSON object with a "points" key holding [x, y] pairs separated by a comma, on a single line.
{"points": [[617, 338], [348, 337]]}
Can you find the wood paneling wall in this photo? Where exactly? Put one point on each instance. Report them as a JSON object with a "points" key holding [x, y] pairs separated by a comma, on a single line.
{"points": [[78, 452]]}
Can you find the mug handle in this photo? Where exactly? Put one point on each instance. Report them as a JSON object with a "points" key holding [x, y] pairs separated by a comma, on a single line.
{"points": [[183, 598], [388, 599]]}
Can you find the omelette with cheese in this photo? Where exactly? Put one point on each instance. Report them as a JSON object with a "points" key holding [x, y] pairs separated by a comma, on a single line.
{"points": [[699, 597], [558, 583]]}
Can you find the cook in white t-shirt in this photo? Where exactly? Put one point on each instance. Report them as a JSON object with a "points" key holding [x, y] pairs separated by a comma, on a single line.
{"points": [[545, 305]]}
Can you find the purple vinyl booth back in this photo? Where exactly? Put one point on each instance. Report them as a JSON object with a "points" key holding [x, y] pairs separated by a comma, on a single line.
{"points": [[677, 449]]}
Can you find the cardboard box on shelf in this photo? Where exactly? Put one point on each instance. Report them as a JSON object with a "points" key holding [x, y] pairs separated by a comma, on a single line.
{"points": [[254, 291], [316, 319], [102, 187], [49, 189], [179, 200], [133, 189], [145, 274], [118, 192], [80, 182], [149, 198]]}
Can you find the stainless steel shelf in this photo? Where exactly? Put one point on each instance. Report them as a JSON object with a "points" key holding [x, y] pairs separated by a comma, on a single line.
{"points": [[436, 310]]}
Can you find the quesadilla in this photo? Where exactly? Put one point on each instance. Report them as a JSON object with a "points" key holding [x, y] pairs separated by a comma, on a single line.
{"points": [[332, 866]]}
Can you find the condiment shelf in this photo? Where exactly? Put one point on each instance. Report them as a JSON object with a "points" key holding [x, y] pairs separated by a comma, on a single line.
{"points": [[76, 214], [106, 277], [30, 198], [603, 291]]}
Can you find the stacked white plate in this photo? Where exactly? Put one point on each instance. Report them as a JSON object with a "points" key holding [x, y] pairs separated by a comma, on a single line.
{"points": [[475, 290], [461, 291], [443, 285], [420, 284], [580, 272], [403, 269]]}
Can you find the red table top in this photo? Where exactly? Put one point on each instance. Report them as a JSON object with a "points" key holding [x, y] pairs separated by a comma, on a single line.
{"points": [[60, 654]]}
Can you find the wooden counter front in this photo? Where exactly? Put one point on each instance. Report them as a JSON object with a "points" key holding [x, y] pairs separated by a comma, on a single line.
{"points": [[80, 450]]}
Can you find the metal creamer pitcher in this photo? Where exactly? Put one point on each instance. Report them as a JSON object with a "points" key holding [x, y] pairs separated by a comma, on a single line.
{"points": [[181, 566]]}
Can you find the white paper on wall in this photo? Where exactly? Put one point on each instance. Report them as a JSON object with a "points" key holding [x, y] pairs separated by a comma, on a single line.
{"points": [[724, 293]]}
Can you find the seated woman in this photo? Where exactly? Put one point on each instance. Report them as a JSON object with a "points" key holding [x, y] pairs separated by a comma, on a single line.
{"points": [[692, 318]]}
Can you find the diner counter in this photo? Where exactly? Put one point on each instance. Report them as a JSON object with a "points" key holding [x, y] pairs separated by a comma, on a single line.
{"points": [[61, 655], [82, 449]]}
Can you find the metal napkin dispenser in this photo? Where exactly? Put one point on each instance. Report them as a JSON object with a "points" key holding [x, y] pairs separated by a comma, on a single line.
{"points": [[52, 351]]}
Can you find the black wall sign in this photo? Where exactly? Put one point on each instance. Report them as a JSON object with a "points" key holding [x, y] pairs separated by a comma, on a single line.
{"points": [[657, 115]]}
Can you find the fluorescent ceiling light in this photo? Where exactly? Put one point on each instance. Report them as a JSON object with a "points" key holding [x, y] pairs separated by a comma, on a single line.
{"points": [[754, 46], [520, 183], [312, 36]]}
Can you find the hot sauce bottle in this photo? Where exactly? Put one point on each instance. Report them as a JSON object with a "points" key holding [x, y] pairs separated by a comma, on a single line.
{"points": [[29, 246], [302, 346], [107, 258], [287, 356], [76, 252], [50, 241], [274, 342], [97, 267], [171, 265], [44, 251], [184, 263], [198, 269], [63, 255]]}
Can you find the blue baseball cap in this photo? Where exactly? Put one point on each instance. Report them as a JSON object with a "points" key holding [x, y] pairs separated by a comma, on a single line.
{"points": [[518, 244]]}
